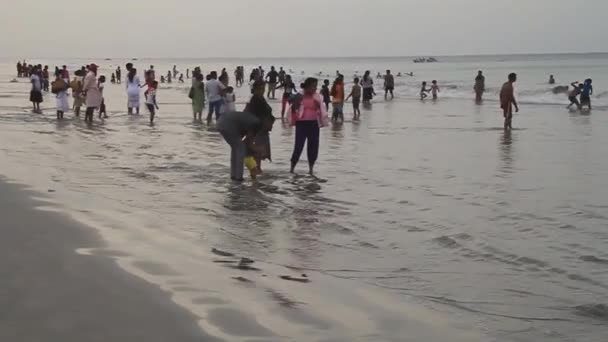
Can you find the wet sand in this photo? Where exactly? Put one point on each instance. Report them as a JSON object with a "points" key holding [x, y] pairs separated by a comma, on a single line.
{"points": [[50, 293]]}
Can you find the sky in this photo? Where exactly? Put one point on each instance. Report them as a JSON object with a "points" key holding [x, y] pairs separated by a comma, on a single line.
{"points": [[305, 28]]}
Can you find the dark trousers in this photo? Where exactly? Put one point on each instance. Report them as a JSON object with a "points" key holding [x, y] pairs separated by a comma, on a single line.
{"points": [[306, 132]]}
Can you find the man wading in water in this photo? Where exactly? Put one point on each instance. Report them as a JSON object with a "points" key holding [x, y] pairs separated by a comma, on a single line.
{"points": [[507, 100]]}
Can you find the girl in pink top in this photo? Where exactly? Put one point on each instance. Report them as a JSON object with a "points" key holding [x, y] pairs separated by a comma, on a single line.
{"points": [[308, 115]]}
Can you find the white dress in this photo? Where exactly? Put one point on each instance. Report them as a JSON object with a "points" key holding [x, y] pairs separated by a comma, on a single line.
{"points": [[62, 101], [133, 91], [229, 104]]}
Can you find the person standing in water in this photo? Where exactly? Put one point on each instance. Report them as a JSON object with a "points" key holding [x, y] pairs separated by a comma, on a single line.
{"points": [[259, 107], [133, 90], [272, 78], [102, 108], [480, 86], [389, 85], [215, 93], [308, 117], [507, 100], [65, 74], [337, 101], [355, 93], [150, 95], [282, 75], [118, 75], [60, 88], [586, 93], [36, 91], [434, 89], [325, 92], [423, 91], [289, 88], [368, 87], [76, 86], [45, 78], [92, 93], [198, 96]]}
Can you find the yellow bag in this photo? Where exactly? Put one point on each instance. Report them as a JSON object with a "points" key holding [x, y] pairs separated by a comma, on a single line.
{"points": [[250, 163]]}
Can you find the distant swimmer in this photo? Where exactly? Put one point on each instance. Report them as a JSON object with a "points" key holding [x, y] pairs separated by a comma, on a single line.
{"points": [[434, 89], [577, 88], [389, 85], [181, 78], [551, 79], [480, 86], [423, 91], [586, 93], [507, 100]]}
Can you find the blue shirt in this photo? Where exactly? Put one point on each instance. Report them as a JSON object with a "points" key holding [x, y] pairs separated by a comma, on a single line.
{"points": [[587, 89]]}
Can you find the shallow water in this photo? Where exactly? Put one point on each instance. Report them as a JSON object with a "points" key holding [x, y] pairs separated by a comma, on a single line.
{"points": [[431, 203]]}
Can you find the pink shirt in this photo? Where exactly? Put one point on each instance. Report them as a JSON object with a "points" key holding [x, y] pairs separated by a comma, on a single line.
{"points": [[311, 109]]}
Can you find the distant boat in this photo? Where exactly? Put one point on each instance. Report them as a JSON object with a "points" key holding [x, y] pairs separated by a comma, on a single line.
{"points": [[425, 60], [107, 59], [133, 59]]}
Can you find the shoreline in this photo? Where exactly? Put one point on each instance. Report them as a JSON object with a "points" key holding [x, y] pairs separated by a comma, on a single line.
{"points": [[74, 285], [53, 294]]}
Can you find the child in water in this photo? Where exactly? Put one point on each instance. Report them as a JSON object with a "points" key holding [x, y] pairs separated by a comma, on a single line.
{"points": [[355, 93], [251, 165], [102, 108], [113, 79], [434, 89], [151, 99], [229, 101], [423, 91], [325, 94]]}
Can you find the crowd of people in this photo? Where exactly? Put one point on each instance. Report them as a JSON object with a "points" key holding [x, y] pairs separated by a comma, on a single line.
{"points": [[247, 132]]}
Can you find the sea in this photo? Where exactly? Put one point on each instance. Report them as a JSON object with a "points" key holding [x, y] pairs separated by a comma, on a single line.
{"points": [[424, 211]]}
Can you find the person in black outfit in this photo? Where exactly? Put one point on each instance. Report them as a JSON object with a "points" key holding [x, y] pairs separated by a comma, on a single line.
{"points": [[272, 78]]}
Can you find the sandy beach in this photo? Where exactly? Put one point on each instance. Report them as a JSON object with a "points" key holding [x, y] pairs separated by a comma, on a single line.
{"points": [[50, 293]]}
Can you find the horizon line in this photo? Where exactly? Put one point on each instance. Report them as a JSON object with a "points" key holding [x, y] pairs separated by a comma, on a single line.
{"points": [[334, 57]]}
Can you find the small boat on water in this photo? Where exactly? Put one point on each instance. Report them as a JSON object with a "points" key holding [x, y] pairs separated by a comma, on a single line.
{"points": [[425, 60]]}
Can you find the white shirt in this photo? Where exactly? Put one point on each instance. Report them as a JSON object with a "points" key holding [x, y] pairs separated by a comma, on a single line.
{"points": [[36, 83], [214, 90], [151, 96]]}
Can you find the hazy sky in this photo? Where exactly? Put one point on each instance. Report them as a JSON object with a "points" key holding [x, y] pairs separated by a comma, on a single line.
{"points": [[281, 28]]}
